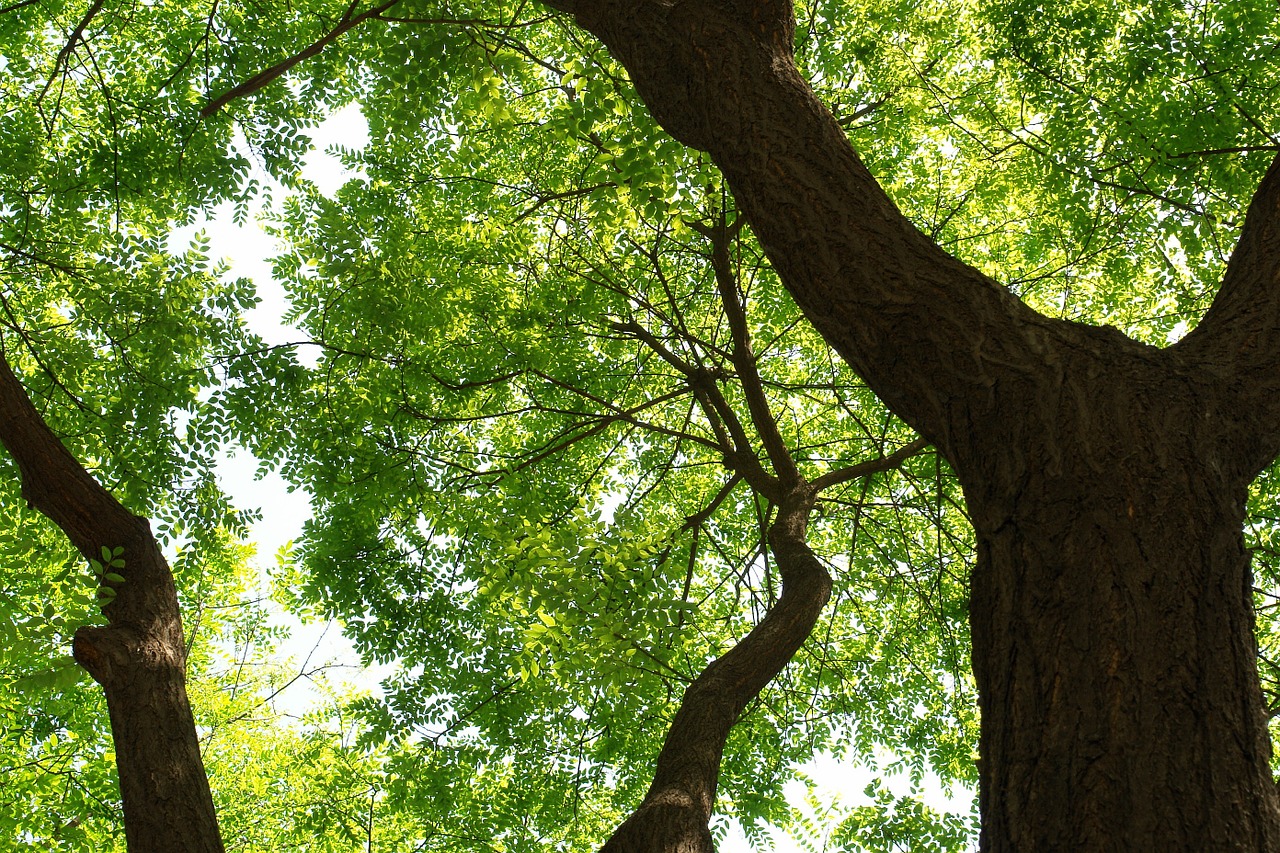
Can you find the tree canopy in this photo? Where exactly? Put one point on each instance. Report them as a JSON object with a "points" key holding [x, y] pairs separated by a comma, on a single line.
{"points": [[567, 434]]}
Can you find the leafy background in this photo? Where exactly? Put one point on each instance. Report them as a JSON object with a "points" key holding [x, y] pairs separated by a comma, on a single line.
{"points": [[519, 511]]}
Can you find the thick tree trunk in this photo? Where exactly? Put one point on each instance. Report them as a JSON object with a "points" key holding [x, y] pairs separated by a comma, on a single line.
{"points": [[139, 657], [1111, 613], [1112, 620], [1117, 674]]}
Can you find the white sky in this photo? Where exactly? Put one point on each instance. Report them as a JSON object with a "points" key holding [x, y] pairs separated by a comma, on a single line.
{"points": [[246, 248]]}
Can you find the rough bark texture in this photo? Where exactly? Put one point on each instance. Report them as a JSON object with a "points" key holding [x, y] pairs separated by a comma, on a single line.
{"points": [[1111, 607], [1112, 627], [139, 658]]}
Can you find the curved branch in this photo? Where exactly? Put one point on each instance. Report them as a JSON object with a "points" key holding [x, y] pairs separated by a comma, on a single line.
{"points": [[675, 813], [928, 333]]}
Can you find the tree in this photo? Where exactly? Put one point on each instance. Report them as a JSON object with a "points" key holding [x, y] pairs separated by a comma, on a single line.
{"points": [[583, 394], [115, 339], [1100, 646]]}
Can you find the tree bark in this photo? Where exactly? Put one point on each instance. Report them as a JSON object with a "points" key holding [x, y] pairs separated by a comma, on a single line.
{"points": [[1111, 604], [1112, 623], [139, 657]]}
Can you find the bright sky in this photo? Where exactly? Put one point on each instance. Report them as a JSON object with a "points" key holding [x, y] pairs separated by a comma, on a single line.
{"points": [[246, 248]]}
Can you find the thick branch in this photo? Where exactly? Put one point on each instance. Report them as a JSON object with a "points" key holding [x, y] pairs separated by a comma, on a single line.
{"points": [[928, 333], [1240, 334], [52, 480]]}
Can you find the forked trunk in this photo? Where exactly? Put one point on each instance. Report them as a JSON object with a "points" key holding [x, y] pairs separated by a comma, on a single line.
{"points": [[1112, 625], [1111, 606]]}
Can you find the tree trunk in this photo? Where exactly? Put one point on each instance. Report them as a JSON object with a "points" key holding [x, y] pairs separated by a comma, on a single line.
{"points": [[139, 657], [142, 669], [1111, 604], [1112, 620]]}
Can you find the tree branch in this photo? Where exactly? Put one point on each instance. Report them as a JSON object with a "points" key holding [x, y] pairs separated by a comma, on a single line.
{"points": [[13, 7], [744, 360], [53, 481], [1240, 333], [264, 78], [675, 812], [871, 466], [64, 55], [923, 329], [729, 430]]}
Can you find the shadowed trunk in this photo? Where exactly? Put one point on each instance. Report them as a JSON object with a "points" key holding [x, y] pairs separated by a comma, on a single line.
{"points": [[1112, 622], [139, 657]]}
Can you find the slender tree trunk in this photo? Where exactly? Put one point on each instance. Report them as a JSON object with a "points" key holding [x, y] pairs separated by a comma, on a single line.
{"points": [[141, 666], [676, 811], [139, 657], [1111, 615], [674, 816]]}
